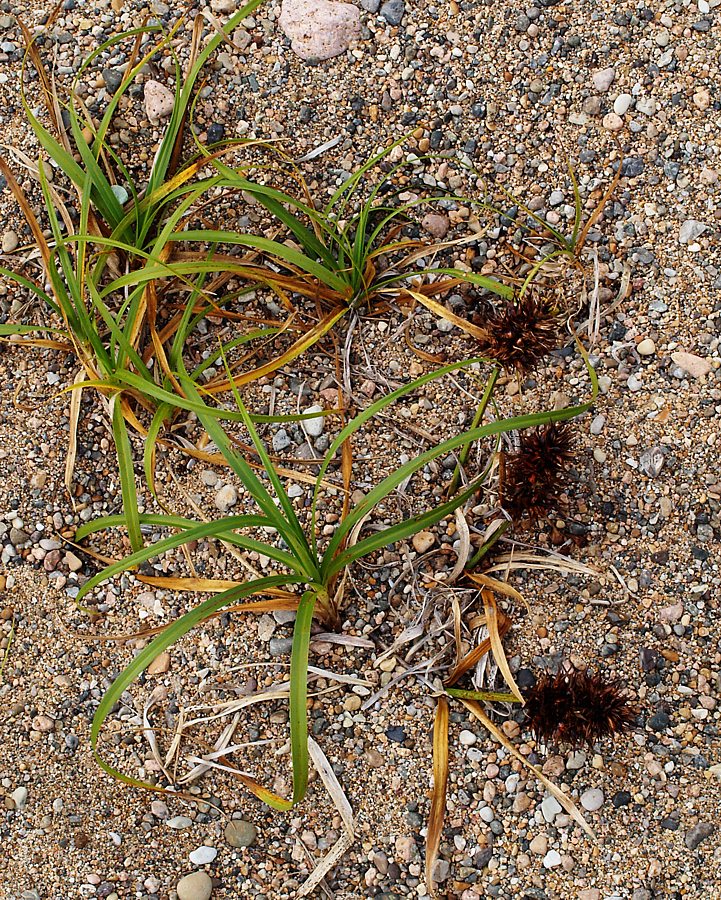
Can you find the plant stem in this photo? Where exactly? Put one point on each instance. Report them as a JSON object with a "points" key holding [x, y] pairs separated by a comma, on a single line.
{"points": [[484, 548], [463, 456], [493, 696]]}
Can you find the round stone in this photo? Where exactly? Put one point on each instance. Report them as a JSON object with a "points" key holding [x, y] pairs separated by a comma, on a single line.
{"points": [[226, 497], [592, 799], [314, 427], [196, 886], [612, 122], [622, 104], [646, 347], [239, 833], [467, 738], [10, 242], [203, 855]]}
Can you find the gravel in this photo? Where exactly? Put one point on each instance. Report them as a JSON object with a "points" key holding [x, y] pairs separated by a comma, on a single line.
{"points": [[514, 96]]}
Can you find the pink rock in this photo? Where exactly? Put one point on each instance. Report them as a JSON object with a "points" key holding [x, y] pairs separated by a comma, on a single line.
{"points": [[436, 224], [159, 101], [319, 29], [671, 614], [689, 362]]}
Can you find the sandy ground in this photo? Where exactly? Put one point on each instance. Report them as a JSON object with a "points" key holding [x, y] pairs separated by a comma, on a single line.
{"points": [[513, 90]]}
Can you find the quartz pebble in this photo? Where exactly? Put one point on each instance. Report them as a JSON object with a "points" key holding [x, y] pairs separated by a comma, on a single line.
{"points": [[592, 799], [646, 347], [314, 427], [689, 362], [550, 807], [622, 104], [202, 855], [690, 230], [226, 497], [423, 541], [603, 79], [552, 859]]}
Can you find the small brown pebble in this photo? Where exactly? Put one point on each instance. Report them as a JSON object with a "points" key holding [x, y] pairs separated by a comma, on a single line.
{"points": [[160, 664]]}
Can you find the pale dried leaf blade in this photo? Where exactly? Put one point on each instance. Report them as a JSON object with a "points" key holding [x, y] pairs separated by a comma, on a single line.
{"points": [[501, 587], [464, 548], [440, 787], [76, 398], [491, 609], [345, 841], [565, 801]]}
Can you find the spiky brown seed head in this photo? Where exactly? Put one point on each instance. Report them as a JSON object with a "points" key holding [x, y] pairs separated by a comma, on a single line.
{"points": [[521, 333], [578, 707], [533, 474]]}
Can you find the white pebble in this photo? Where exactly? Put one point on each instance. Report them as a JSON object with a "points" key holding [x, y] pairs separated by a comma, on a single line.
{"points": [[20, 797], [551, 859], [314, 427], [203, 855], [597, 424], [226, 497], [646, 347], [467, 738], [550, 808], [179, 822], [592, 799], [622, 104]]}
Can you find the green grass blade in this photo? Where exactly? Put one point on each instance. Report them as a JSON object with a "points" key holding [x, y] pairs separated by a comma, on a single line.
{"points": [[34, 288], [165, 639], [127, 474], [161, 416], [483, 281], [197, 532], [273, 248], [280, 492], [378, 406], [222, 532], [399, 532], [299, 695], [392, 481], [287, 526]]}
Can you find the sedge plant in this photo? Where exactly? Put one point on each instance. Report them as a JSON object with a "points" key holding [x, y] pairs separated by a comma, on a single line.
{"points": [[120, 292], [307, 567]]}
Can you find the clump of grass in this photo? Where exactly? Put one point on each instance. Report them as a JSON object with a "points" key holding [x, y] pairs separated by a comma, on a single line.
{"points": [[578, 707], [305, 566], [126, 296]]}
